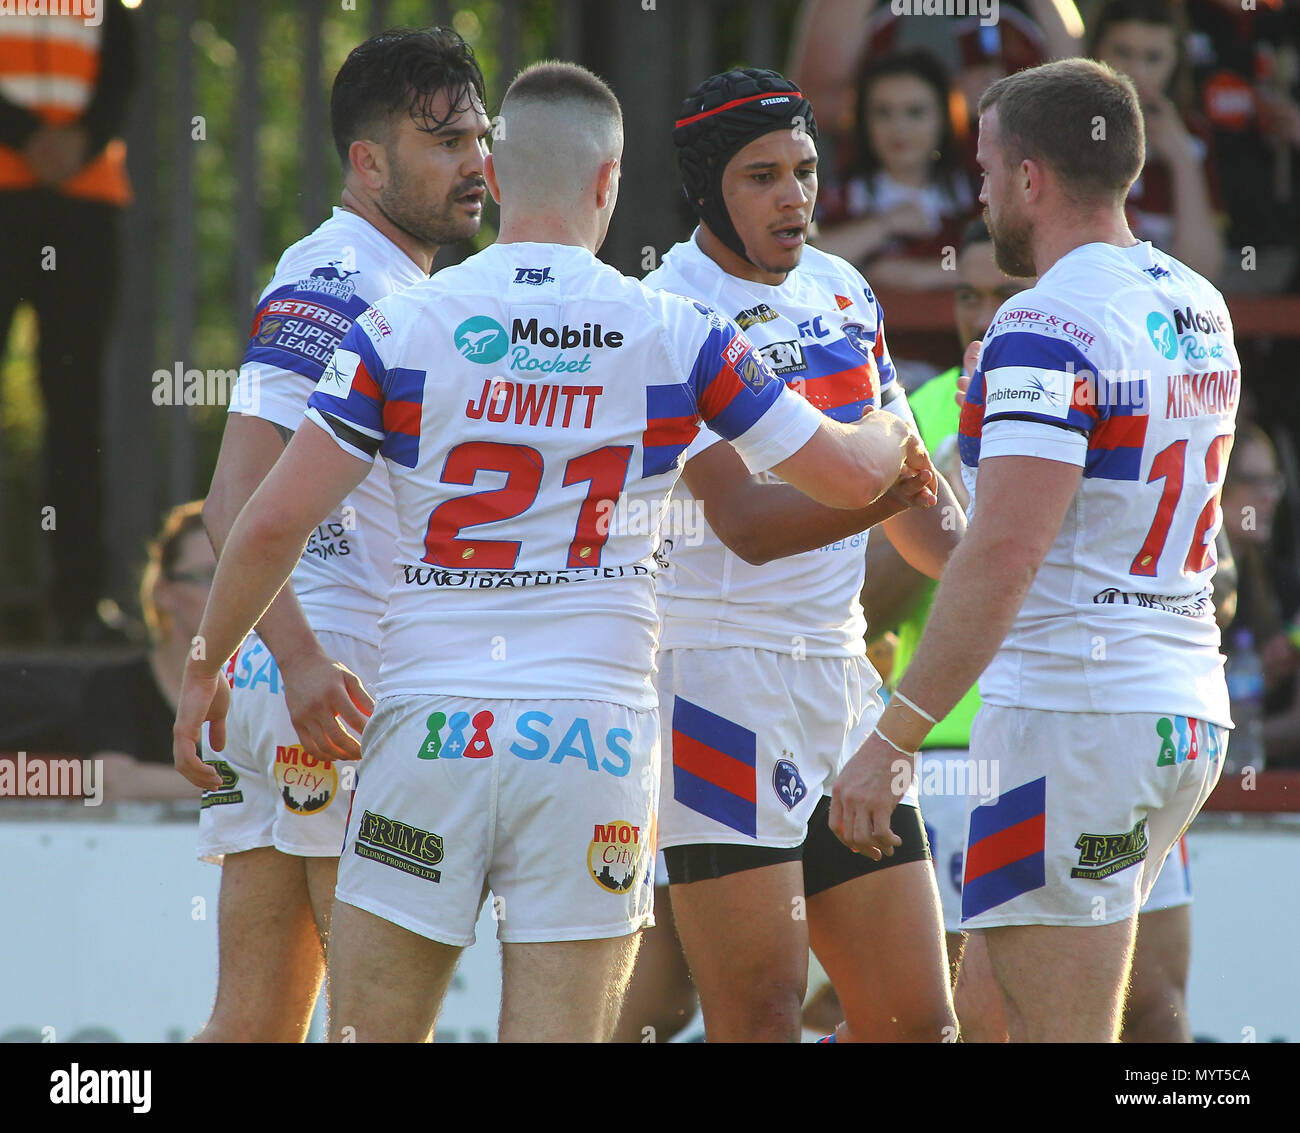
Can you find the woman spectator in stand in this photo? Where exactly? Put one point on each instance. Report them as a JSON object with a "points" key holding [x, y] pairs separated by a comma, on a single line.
{"points": [[906, 198], [132, 704], [1172, 203]]}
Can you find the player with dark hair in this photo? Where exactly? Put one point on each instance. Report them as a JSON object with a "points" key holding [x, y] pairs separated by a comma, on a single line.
{"points": [[519, 399], [409, 123], [764, 687], [1093, 440]]}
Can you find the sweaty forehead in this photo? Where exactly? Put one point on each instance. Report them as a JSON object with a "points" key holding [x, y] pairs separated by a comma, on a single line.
{"points": [[782, 147], [446, 110], [988, 135]]}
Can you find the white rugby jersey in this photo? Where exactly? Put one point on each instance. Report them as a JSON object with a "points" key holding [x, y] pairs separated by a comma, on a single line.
{"points": [[821, 330], [321, 284], [533, 406], [1120, 360]]}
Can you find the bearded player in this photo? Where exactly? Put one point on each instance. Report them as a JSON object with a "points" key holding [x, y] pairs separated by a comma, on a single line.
{"points": [[408, 123], [1094, 440]]}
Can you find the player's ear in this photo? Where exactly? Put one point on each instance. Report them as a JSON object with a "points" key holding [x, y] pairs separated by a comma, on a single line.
{"points": [[368, 162], [490, 176], [1030, 177], [606, 182]]}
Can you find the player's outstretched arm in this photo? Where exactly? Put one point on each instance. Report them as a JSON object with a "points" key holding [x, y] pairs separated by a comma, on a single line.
{"points": [[926, 538], [852, 466], [304, 486], [1022, 501], [761, 522], [318, 690]]}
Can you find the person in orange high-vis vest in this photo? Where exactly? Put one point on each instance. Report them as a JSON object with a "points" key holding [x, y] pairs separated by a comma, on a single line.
{"points": [[64, 88]]}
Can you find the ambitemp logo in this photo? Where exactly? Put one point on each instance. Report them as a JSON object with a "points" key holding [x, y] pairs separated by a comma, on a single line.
{"points": [[482, 339]]}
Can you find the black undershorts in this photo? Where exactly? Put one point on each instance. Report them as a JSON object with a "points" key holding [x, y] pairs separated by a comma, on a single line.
{"points": [[827, 861]]}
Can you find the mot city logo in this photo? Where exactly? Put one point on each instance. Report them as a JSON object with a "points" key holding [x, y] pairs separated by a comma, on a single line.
{"points": [[307, 784], [614, 855]]}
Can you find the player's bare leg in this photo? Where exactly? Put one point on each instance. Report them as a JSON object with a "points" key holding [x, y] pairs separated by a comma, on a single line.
{"points": [[978, 1002], [954, 943], [880, 939], [385, 983], [271, 958], [1156, 1011], [322, 877], [1062, 983], [660, 996], [564, 991], [747, 946]]}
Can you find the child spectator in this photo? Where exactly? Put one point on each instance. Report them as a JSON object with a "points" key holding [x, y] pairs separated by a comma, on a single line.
{"points": [[1172, 203], [1244, 68], [907, 197]]}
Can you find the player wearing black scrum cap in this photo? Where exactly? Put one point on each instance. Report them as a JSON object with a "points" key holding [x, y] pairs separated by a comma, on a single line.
{"points": [[764, 688]]}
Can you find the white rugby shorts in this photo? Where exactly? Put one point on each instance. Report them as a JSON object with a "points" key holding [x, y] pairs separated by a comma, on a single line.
{"points": [[1089, 805], [550, 805], [272, 792], [752, 740]]}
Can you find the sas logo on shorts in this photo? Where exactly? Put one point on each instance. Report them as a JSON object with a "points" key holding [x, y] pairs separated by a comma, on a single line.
{"points": [[224, 794], [307, 784], [1100, 855], [788, 784], [477, 745], [1161, 332], [1183, 738], [481, 339], [614, 856], [400, 845]]}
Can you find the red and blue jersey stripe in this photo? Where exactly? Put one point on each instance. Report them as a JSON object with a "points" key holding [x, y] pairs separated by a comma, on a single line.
{"points": [[729, 386], [672, 421], [838, 380], [1112, 413], [383, 407]]}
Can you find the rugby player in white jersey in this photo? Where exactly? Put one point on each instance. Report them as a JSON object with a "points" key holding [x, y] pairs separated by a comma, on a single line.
{"points": [[1094, 439], [1156, 1009], [765, 690], [516, 399], [408, 123]]}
